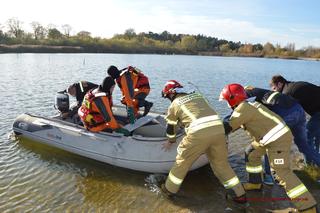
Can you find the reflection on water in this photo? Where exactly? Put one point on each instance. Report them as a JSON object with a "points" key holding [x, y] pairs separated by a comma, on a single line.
{"points": [[38, 178]]}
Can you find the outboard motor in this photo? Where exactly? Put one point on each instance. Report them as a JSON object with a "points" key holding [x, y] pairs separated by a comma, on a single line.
{"points": [[62, 101]]}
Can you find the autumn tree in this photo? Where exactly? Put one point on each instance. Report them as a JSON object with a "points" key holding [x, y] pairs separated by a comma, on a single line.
{"points": [[129, 33], [15, 27], [188, 43], [54, 33], [39, 32], [66, 30]]}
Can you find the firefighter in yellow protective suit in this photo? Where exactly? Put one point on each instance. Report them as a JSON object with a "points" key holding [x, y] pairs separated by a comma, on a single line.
{"points": [[270, 136], [204, 134]]}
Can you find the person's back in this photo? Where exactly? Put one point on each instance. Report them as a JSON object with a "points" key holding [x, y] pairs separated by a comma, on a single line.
{"points": [[307, 94], [78, 90], [292, 113], [270, 136], [95, 112], [135, 87], [204, 134]]}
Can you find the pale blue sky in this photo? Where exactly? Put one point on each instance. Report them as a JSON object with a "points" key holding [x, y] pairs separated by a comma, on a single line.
{"points": [[276, 21]]}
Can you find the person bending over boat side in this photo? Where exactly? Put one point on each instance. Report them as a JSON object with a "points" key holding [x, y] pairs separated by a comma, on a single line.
{"points": [[135, 87], [78, 90], [308, 95], [270, 135], [204, 134], [96, 112], [294, 116]]}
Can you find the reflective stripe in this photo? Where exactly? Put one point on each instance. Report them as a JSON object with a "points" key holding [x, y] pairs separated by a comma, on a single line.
{"points": [[275, 133], [174, 179], [172, 122], [100, 94], [204, 125], [235, 114], [297, 191], [231, 183], [171, 136], [188, 113], [204, 120], [271, 97], [81, 87], [184, 99], [254, 169]]}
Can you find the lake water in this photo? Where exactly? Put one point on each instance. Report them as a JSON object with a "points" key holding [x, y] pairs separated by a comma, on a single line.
{"points": [[36, 178]]}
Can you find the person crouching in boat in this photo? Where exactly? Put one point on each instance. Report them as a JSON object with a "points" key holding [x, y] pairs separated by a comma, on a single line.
{"points": [[204, 134], [78, 90], [270, 136], [135, 87], [96, 109]]}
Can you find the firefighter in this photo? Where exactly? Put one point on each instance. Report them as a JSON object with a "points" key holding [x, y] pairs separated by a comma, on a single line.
{"points": [[96, 112], [270, 136], [135, 87], [204, 134], [294, 116]]}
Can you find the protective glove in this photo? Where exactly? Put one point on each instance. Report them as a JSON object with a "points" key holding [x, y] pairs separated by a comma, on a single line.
{"points": [[123, 131], [130, 113]]}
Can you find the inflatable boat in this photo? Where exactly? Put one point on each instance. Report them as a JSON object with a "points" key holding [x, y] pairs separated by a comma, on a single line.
{"points": [[141, 151]]}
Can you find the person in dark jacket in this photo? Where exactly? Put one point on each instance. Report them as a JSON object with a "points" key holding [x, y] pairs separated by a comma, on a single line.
{"points": [[308, 95], [293, 114], [78, 90]]}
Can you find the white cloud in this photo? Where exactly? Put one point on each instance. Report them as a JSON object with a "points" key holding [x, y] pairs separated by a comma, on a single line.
{"points": [[106, 18]]}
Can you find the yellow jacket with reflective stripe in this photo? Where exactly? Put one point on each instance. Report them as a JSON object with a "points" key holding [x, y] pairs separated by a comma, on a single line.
{"points": [[262, 124], [188, 108]]}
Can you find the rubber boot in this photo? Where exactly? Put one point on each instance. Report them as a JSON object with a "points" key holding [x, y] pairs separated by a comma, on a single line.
{"points": [[147, 107], [165, 192], [252, 186]]}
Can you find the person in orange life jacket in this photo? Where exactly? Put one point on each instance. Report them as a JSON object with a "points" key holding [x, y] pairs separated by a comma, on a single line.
{"points": [[78, 90], [135, 88], [270, 136], [204, 134], [96, 112]]}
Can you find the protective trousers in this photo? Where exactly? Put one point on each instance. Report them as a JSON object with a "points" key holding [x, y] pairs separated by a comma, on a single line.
{"points": [[214, 146], [279, 156]]}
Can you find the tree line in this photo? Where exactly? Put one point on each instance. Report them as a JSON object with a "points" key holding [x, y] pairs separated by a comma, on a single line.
{"points": [[53, 39]]}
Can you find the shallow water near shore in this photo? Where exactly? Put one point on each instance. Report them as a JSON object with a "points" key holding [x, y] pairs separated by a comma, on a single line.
{"points": [[38, 178]]}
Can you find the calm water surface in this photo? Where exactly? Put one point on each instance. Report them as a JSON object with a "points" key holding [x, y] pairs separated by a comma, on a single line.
{"points": [[36, 178]]}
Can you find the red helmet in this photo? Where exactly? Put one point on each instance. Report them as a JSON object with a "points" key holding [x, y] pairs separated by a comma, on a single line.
{"points": [[170, 88], [234, 94]]}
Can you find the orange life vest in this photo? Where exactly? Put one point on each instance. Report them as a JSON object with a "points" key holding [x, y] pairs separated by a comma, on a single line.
{"points": [[132, 82], [95, 112]]}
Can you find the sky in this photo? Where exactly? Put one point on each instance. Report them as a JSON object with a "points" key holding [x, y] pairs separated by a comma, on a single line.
{"points": [[249, 21]]}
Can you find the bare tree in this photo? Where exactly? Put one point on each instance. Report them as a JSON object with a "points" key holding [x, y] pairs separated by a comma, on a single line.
{"points": [[39, 32], [15, 27], [66, 29]]}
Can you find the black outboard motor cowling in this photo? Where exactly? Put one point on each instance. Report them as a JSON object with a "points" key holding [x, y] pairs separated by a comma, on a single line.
{"points": [[62, 101]]}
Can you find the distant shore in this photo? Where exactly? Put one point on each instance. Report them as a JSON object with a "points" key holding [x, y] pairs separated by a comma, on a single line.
{"points": [[21, 48]]}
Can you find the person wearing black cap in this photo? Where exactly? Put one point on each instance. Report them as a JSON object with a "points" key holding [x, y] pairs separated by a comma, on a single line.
{"points": [[96, 110], [78, 90], [135, 87]]}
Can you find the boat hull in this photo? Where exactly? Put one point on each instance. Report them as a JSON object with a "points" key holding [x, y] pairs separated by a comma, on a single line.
{"points": [[135, 152]]}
